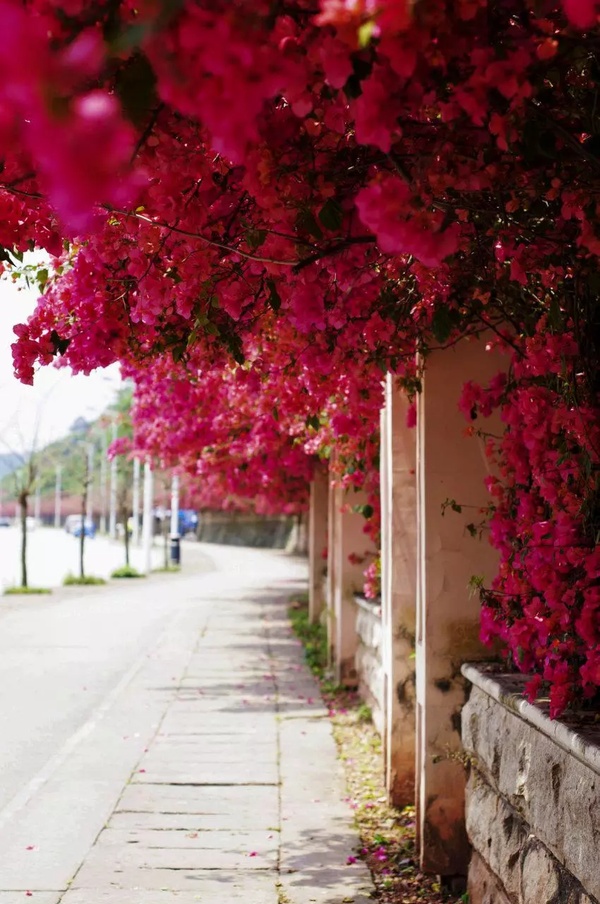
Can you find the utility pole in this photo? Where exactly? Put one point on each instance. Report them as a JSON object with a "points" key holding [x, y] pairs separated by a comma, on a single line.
{"points": [[103, 483], [90, 481], [175, 539], [112, 517], [148, 517], [57, 495], [135, 534]]}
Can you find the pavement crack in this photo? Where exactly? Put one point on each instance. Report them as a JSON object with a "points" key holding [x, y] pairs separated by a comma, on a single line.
{"points": [[209, 784]]}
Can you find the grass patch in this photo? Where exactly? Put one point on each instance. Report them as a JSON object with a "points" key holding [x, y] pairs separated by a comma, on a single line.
{"points": [[313, 637], [387, 835], [89, 580], [167, 569], [127, 571], [26, 591]]}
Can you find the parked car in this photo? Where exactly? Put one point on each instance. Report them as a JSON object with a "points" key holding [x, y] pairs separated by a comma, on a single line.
{"points": [[5, 522], [73, 526], [188, 521]]}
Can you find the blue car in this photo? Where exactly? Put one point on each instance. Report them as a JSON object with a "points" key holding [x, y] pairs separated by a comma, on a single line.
{"points": [[188, 521], [74, 528]]}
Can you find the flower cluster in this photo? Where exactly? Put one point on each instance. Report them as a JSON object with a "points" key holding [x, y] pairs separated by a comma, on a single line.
{"points": [[259, 208], [544, 604]]}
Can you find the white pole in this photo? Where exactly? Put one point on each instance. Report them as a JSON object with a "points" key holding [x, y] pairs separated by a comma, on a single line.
{"points": [[135, 536], [103, 484], [148, 518], [57, 496], [112, 515], [90, 476], [175, 505]]}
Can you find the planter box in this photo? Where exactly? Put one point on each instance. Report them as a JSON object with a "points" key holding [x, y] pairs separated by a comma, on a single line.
{"points": [[369, 663], [533, 797]]}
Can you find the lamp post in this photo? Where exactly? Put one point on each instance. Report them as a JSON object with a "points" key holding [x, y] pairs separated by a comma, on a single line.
{"points": [[103, 483], [175, 538], [135, 535], [148, 517], [112, 515], [57, 495], [89, 513]]}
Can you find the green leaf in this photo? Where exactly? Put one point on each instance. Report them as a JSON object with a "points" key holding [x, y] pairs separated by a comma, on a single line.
{"points": [[274, 297], [135, 85], [331, 215], [442, 324], [313, 421], [178, 352], [306, 222], [352, 89], [173, 274], [42, 278], [59, 345], [255, 238]]}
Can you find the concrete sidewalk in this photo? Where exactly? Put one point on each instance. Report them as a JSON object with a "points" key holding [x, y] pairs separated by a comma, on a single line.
{"points": [[237, 796]]}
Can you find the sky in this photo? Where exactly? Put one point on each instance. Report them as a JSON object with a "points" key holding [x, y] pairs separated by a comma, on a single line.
{"points": [[32, 416]]}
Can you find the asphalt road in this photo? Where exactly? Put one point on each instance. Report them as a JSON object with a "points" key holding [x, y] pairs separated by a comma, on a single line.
{"points": [[85, 678]]}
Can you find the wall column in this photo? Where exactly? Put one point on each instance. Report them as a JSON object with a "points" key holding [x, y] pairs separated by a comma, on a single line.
{"points": [[399, 593], [450, 465], [317, 541], [345, 578]]}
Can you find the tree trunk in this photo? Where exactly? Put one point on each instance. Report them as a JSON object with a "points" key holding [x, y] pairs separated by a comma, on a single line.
{"points": [[82, 535], [23, 498]]}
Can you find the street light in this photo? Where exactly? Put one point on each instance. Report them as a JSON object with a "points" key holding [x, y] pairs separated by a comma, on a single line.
{"points": [[112, 518], [175, 539], [57, 495]]}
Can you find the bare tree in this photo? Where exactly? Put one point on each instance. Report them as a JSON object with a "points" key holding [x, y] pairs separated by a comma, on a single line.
{"points": [[24, 479]]}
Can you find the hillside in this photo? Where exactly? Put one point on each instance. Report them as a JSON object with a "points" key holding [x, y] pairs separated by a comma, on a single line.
{"points": [[70, 455], [8, 463]]}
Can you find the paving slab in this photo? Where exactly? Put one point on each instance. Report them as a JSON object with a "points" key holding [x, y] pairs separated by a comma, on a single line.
{"points": [[237, 794], [250, 888], [243, 842], [111, 861], [243, 821], [208, 800], [190, 880]]}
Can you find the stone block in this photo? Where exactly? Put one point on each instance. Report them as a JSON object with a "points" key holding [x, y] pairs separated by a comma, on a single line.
{"points": [[483, 886], [533, 804], [553, 791]]}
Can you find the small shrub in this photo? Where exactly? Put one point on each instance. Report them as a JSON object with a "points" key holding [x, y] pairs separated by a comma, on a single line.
{"points": [[89, 580], [127, 571], [26, 591]]}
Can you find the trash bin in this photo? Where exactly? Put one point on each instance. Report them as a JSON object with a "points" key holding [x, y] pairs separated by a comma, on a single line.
{"points": [[175, 549]]}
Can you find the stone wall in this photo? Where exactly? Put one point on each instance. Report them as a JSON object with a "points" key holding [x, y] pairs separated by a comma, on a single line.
{"points": [[533, 797], [369, 665], [241, 529]]}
